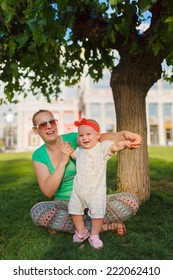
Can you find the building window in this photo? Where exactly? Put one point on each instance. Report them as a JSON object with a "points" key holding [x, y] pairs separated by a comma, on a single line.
{"points": [[95, 111], [33, 139], [167, 111], [69, 117], [154, 137], [110, 117], [109, 127], [153, 119], [169, 136], [110, 110], [10, 136], [167, 116], [153, 113]]}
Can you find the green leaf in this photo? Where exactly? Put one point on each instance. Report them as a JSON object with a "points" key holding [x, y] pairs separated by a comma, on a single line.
{"points": [[32, 23], [14, 68], [145, 5], [156, 48], [134, 47], [113, 2], [169, 19], [22, 39], [61, 4]]}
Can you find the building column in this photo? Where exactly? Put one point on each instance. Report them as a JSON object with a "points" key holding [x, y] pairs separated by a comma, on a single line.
{"points": [[102, 117], [172, 119], [20, 130], [148, 125], [161, 130], [87, 112]]}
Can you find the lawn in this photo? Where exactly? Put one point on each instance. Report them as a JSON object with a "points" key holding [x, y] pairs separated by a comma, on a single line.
{"points": [[149, 233]]}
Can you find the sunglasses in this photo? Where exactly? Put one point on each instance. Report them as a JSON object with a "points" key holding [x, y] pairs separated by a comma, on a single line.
{"points": [[43, 125]]}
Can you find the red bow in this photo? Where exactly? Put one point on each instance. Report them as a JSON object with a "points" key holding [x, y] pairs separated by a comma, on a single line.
{"points": [[82, 122], [89, 123]]}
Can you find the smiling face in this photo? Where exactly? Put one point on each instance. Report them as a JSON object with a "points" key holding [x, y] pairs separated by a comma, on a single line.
{"points": [[87, 136], [47, 131]]}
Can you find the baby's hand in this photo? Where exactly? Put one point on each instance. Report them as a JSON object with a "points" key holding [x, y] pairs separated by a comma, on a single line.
{"points": [[128, 145], [134, 138], [133, 144]]}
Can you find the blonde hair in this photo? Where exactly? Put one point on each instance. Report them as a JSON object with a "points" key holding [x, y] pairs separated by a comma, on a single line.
{"points": [[38, 112], [93, 121]]}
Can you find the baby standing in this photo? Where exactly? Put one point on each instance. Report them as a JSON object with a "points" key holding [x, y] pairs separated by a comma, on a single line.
{"points": [[89, 189]]}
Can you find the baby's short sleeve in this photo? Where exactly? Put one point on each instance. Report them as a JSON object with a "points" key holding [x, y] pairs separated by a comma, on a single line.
{"points": [[76, 153], [105, 148]]}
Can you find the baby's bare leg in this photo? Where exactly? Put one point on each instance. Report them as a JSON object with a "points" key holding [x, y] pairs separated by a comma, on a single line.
{"points": [[94, 239], [96, 226], [78, 221], [81, 232]]}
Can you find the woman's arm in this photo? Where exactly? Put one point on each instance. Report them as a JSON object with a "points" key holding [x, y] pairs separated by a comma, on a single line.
{"points": [[134, 138], [49, 183]]}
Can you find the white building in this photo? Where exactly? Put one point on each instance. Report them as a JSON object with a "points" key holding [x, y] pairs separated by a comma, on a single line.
{"points": [[16, 120], [96, 102], [159, 107]]}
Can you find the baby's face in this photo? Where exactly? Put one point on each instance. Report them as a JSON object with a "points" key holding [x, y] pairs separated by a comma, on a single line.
{"points": [[87, 136]]}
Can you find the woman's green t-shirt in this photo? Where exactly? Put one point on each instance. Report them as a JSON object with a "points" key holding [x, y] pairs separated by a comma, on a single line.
{"points": [[41, 155]]}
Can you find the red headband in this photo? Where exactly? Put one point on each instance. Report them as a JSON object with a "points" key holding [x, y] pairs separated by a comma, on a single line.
{"points": [[89, 123]]}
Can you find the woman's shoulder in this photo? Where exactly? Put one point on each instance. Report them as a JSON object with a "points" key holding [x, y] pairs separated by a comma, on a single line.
{"points": [[70, 137], [38, 152]]}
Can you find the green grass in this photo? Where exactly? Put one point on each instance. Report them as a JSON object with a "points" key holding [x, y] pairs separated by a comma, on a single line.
{"points": [[149, 233]]}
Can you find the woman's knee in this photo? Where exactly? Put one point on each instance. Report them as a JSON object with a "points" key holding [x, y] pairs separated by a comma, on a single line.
{"points": [[135, 202], [40, 210]]}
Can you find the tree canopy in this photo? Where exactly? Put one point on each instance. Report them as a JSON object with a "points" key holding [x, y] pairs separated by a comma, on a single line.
{"points": [[49, 42], [44, 43]]}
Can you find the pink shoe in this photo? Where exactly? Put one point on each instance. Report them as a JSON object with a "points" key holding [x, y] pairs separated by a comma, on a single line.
{"points": [[78, 238], [95, 242]]}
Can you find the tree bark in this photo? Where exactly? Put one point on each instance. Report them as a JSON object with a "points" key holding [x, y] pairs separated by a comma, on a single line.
{"points": [[130, 87], [133, 171]]}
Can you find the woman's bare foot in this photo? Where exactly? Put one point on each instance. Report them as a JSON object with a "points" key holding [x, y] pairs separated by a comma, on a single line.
{"points": [[119, 227], [51, 231]]}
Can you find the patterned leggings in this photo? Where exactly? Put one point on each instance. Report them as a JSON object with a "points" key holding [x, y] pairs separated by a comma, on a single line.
{"points": [[54, 215]]}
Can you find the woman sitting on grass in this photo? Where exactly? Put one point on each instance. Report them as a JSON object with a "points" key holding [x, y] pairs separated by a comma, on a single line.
{"points": [[55, 171]]}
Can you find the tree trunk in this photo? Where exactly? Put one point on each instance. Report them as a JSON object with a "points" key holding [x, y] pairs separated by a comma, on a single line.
{"points": [[130, 87], [132, 173]]}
